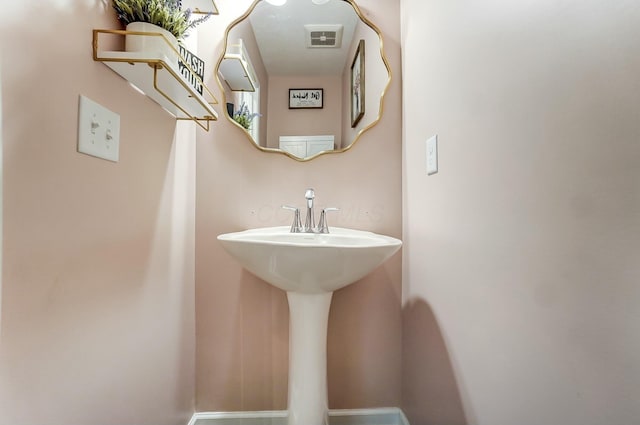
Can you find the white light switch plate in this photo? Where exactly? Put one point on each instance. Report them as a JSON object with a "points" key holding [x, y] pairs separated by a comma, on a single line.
{"points": [[432, 155], [98, 130]]}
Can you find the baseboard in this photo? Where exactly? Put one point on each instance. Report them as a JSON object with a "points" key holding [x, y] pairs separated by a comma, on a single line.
{"points": [[378, 416]]}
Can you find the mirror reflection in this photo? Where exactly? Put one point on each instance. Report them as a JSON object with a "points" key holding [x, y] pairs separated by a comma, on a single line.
{"points": [[305, 77]]}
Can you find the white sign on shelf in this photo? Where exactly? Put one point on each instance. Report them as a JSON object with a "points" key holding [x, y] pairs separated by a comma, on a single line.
{"points": [[196, 64]]}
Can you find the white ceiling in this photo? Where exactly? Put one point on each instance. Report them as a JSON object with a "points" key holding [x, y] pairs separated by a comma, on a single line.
{"points": [[281, 36]]}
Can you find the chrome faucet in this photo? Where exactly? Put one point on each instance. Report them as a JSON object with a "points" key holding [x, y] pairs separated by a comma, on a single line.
{"points": [[309, 222]]}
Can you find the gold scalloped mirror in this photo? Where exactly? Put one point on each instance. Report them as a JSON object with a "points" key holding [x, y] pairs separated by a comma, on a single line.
{"points": [[305, 78]]}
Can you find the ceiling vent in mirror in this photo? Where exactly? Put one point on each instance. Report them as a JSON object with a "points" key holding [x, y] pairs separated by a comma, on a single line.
{"points": [[324, 35]]}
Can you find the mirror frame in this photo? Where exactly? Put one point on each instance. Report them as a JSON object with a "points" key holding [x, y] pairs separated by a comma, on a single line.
{"points": [[274, 150]]}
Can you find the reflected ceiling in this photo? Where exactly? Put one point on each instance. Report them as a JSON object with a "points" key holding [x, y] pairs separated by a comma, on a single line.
{"points": [[281, 36]]}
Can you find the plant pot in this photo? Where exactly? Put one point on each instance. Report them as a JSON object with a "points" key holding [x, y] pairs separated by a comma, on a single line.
{"points": [[165, 44]]}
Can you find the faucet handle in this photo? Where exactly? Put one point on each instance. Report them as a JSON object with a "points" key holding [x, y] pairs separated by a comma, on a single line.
{"points": [[296, 226], [322, 225]]}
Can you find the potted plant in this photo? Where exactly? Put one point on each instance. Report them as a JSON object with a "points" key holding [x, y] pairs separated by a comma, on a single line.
{"points": [[244, 117], [165, 21]]}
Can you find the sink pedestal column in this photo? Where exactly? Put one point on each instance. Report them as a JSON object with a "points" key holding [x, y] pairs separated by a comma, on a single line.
{"points": [[308, 319]]}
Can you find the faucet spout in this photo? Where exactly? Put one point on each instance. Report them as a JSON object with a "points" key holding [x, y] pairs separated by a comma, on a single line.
{"points": [[309, 196], [310, 221]]}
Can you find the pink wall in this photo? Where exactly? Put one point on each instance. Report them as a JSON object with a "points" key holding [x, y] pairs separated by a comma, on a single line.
{"points": [[98, 271], [520, 296], [242, 323], [521, 255]]}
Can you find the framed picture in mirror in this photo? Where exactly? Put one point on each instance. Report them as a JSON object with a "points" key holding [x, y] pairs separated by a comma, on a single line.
{"points": [[306, 98], [357, 85]]}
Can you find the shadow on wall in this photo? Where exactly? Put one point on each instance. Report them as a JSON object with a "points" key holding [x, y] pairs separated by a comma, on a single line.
{"points": [[430, 391]]}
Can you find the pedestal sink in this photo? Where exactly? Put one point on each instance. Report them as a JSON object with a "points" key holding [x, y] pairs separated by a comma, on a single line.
{"points": [[309, 267]]}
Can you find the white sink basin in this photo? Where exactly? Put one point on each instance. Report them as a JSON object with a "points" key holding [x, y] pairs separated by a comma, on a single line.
{"points": [[309, 262]]}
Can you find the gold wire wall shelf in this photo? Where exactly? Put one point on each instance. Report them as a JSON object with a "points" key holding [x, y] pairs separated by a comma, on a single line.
{"points": [[158, 77], [201, 6]]}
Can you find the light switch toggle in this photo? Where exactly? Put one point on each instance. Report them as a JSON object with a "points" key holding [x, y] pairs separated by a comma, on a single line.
{"points": [[94, 126]]}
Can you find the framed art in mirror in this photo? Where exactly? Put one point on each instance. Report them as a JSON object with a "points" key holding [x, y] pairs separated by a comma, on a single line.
{"points": [[306, 98], [357, 85]]}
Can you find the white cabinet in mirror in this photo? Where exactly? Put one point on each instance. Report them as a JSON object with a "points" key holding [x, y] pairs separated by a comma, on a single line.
{"points": [[305, 147], [278, 52]]}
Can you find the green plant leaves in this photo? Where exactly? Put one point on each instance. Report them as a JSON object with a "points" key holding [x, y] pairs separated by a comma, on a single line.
{"points": [[167, 14]]}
